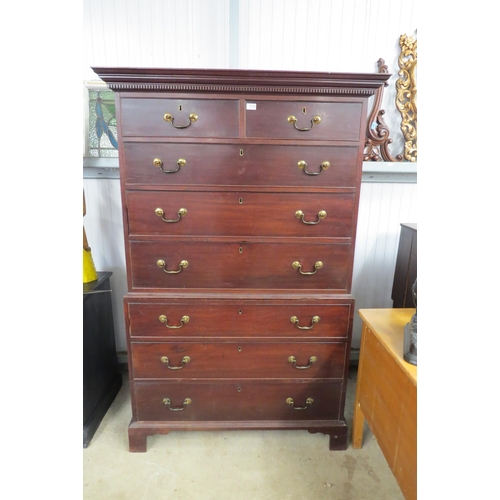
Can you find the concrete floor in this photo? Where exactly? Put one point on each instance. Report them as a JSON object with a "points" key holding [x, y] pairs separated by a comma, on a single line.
{"points": [[236, 465]]}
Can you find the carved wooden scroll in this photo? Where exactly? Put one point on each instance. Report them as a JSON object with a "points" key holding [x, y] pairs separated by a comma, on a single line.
{"points": [[377, 132], [406, 98]]}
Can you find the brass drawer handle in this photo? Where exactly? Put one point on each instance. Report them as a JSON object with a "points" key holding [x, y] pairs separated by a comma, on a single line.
{"points": [[185, 361], [303, 166], [181, 213], [314, 320], [170, 119], [309, 401], [315, 121], [182, 265], [300, 215], [167, 403], [293, 361], [157, 162], [298, 265], [163, 319]]}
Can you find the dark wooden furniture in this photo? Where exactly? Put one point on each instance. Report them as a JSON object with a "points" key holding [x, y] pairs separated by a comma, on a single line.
{"points": [[101, 378], [405, 273], [240, 193]]}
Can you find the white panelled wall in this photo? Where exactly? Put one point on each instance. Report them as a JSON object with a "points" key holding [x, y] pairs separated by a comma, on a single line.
{"points": [[103, 224], [301, 35], [382, 207]]}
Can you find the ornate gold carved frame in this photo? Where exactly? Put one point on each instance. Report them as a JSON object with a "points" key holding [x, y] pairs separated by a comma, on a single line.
{"points": [[377, 132], [406, 98]]}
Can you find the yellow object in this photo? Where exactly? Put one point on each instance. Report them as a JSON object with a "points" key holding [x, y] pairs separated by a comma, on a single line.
{"points": [[89, 272]]}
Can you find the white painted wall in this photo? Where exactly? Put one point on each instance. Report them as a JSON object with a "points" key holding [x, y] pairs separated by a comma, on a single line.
{"points": [[382, 208], [103, 224], [307, 35]]}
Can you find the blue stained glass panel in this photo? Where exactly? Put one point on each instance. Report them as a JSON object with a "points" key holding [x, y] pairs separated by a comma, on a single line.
{"points": [[102, 124]]}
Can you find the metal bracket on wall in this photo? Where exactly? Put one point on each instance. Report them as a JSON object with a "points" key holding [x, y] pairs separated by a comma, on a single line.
{"points": [[388, 172], [101, 168]]}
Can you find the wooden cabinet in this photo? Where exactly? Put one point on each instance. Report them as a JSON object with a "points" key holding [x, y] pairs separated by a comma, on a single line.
{"points": [[240, 199], [101, 378], [405, 273]]}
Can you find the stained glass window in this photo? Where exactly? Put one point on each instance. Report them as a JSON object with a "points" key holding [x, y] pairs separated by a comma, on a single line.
{"points": [[102, 124]]}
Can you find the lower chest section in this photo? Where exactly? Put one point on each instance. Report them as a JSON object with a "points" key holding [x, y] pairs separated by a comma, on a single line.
{"points": [[237, 358]]}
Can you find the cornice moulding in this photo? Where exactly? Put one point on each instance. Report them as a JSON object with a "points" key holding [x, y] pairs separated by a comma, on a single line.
{"points": [[237, 81]]}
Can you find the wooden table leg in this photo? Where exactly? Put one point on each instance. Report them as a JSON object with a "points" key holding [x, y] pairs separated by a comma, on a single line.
{"points": [[358, 422], [358, 419]]}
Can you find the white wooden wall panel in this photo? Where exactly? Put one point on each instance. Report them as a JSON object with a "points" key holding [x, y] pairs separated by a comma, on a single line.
{"points": [[382, 208], [155, 33], [103, 224]]}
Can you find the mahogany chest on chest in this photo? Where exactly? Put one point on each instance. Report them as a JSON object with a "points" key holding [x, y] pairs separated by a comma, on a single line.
{"points": [[240, 194]]}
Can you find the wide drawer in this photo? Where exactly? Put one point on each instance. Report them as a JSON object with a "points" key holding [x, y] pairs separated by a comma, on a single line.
{"points": [[201, 263], [240, 214], [340, 121], [238, 359], [238, 319], [237, 400], [147, 117], [174, 164]]}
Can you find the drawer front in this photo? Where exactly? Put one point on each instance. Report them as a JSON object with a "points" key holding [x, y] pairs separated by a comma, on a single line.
{"points": [[146, 117], [340, 121], [243, 360], [240, 214], [243, 319], [239, 265], [237, 400], [238, 165]]}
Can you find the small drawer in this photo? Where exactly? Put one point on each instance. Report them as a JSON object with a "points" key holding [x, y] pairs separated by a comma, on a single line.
{"points": [[206, 320], [186, 164], [237, 400], [201, 263], [304, 120], [240, 214], [179, 118], [151, 360]]}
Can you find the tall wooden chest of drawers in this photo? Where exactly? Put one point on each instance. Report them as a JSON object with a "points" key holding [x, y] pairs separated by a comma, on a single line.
{"points": [[240, 195]]}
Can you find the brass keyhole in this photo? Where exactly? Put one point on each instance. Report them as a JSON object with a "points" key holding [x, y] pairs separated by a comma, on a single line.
{"points": [[304, 110], [239, 349], [239, 389], [180, 107], [241, 250], [241, 152], [240, 311], [240, 201]]}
